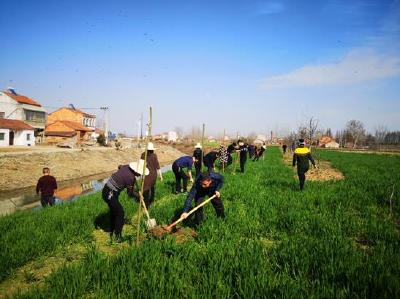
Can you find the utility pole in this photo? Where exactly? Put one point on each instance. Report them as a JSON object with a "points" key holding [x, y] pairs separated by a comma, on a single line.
{"points": [[141, 126], [105, 109]]}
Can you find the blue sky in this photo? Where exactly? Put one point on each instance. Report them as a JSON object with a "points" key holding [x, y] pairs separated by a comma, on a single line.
{"points": [[247, 66]]}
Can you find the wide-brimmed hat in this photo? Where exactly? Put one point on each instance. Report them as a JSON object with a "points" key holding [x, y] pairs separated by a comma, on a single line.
{"points": [[138, 167], [198, 145], [150, 146], [241, 143]]}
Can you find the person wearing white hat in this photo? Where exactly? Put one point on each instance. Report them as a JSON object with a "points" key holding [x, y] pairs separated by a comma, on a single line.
{"points": [[243, 151], [198, 155], [124, 177], [150, 180]]}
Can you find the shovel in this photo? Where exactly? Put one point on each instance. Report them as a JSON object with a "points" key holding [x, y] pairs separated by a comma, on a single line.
{"points": [[169, 227], [150, 222], [160, 230]]}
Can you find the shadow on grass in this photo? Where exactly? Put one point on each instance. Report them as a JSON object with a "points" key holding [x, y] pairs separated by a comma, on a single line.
{"points": [[102, 222]]}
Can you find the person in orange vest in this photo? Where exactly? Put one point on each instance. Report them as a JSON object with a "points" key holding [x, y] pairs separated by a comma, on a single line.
{"points": [[301, 157]]}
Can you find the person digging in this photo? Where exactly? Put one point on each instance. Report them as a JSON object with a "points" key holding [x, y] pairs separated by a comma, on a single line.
{"points": [[124, 177], [302, 156], [205, 185]]}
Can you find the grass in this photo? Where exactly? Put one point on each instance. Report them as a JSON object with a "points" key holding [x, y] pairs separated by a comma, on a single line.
{"points": [[336, 239]]}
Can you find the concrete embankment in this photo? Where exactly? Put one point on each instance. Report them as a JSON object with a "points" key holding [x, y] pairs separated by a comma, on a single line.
{"points": [[23, 169]]}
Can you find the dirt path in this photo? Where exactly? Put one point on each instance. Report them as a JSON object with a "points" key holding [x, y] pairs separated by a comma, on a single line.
{"points": [[325, 171], [23, 169]]}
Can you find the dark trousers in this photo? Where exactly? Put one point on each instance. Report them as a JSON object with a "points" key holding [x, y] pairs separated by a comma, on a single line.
{"points": [[116, 210], [148, 196], [210, 166], [46, 200], [217, 204], [197, 166], [180, 175], [302, 178], [242, 163]]}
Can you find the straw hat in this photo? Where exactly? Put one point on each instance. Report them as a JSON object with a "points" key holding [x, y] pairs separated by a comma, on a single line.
{"points": [[198, 145], [150, 146], [138, 167], [241, 143]]}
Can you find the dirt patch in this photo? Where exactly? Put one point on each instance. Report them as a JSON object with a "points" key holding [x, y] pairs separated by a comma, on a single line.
{"points": [[23, 170], [182, 234], [325, 171]]}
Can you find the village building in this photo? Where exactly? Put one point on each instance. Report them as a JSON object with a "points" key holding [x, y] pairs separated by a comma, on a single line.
{"points": [[16, 132], [70, 125], [172, 136], [22, 108], [64, 131]]}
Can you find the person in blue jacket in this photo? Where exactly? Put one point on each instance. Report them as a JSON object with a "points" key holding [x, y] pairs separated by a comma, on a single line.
{"points": [[180, 176], [206, 185]]}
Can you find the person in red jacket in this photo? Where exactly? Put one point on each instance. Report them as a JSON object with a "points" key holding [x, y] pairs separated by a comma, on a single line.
{"points": [[46, 185]]}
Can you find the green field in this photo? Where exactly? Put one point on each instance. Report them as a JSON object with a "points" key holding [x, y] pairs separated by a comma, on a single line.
{"points": [[334, 240]]}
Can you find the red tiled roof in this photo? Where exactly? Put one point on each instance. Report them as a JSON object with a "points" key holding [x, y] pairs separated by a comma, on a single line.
{"points": [[60, 133], [75, 125], [22, 99], [14, 124]]}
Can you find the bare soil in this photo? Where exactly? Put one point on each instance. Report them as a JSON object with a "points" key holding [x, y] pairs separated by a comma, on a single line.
{"points": [[22, 169], [325, 171]]}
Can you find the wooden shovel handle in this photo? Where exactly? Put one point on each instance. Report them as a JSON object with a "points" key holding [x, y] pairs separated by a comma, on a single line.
{"points": [[192, 211]]}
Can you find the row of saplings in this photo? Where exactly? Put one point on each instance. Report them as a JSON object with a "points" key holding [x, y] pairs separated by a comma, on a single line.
{"points": [[207, 184]]}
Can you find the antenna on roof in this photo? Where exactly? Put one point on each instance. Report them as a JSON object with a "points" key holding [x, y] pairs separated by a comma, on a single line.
{"points": [[72, 106]]}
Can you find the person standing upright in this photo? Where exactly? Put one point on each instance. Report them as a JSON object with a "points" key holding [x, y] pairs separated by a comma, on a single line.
{"points": [[284, 148], [150, 180], [198, 156], [301, 157], [46, 185], [180, 176], [243, 150]]}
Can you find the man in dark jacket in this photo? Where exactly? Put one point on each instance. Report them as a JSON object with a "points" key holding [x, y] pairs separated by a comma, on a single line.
{"points": [[46, 185], [153, 165], [209, 160], [198, 156], [302, 156], [205, 185], [178, 169], [260, 152], [243, 151], [124, 177]]}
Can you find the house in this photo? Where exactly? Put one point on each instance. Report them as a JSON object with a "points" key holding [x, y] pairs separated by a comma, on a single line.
{"points": [[72, 125], [16, 132], [324, 140], [74, 115], [19, 107], [66, 131], [332, 144], [172, 136]]}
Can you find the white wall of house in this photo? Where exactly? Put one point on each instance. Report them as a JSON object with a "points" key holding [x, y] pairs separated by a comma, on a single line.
{"points": [[172, 136], [4, 138], [10, 107], [24, 137]]}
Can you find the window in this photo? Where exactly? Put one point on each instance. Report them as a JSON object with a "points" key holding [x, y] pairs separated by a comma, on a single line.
{"points": [[2, 114], [37, 116], [28, 137], [2, 136]]}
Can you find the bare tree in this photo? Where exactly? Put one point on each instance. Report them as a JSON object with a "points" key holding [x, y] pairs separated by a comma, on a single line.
{"points": [[309, 129], [380, 134], [356, 130]]}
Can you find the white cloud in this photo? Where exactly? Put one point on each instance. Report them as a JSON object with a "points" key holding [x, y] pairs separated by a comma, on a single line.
{"points": [[357, 66]]}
